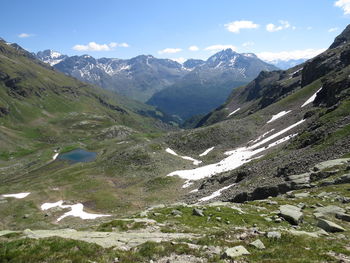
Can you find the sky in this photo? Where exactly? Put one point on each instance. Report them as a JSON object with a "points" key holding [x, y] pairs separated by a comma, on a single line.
{"points": [[181, 29]]}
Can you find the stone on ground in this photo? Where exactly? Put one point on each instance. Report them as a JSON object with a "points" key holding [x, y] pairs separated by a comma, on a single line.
{"points": [[329, 226], [343, 216], [257, 244], [197, 212], [291, 213], [234, 252], [273, 234]]}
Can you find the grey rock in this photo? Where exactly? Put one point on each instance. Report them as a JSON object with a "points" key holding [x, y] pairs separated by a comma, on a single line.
{"points": [[176, 212], [25, 216], [157, 214], [301, 205], [330, 164], [322, 194], [234, 252], [197, 212], [144, 213], [345, 179], [257, 244], [299, 181], [329, 210], [278, 220], [273, 235], [291, 213], [329, 226], [343, 216], [302, 195]]}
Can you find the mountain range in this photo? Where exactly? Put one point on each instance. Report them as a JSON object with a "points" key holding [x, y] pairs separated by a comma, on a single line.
{"points": [[175, 88]]}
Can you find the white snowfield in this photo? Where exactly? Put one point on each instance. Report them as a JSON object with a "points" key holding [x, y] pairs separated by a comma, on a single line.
{"points": [[311, 99], [77, 210], [215, 194], [18, 196], [55, 156], [207, 151], [235, 159], [278, 115], [233, 112], [195, 162], [263, 136]]}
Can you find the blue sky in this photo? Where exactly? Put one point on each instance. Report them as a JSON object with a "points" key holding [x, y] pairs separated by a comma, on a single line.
{"points": [[167, 29]]}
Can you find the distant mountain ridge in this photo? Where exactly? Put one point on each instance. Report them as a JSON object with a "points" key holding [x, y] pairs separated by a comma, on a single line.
{"points": [[286, 64], [208, 85], [139, 77]]}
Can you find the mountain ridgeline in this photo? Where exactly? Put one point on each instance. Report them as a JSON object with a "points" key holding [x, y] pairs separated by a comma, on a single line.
{"points": [[208, 85], [196, 87]]}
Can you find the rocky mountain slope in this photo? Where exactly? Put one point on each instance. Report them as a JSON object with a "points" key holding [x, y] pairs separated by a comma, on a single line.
{"points": [[208, 85]]}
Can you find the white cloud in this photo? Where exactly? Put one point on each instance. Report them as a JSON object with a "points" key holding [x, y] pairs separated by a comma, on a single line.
{"points": [[219, 47], [123, 45], [309, 28], [93, 46], [193, 48], [283, 25], [248, 44], [25, 35], [180, 60], [169, 51], [287, 55], [333, 29], [236, 26], [343, 4]]}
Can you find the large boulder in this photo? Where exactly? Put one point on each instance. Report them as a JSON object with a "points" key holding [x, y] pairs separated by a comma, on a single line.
{"points": [[329, 226], [257, 244], [328, 210], [343, 216], [234, 252], [291, 213], [299, 181]]}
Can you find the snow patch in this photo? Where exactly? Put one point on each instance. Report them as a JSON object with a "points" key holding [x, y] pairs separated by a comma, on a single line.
{"points": [[278, 115], [54, 157], [233, 112], [291, 74], [207, 151], [18, 196], [311, 99], [262, 136], [77, 210], [235, 159], [195, 162], [215, 194]]}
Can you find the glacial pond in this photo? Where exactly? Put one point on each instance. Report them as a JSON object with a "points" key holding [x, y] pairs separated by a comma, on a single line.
{"points": [[78, 156]]}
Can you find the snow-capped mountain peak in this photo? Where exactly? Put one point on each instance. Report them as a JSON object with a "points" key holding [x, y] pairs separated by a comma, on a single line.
{"points": [[51, 57]]}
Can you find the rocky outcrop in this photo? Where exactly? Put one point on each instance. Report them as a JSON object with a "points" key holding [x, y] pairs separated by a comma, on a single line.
{"points": [[342, 39]]}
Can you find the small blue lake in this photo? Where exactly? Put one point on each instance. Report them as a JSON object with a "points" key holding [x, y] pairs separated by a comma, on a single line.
{"points": [[78, 156]]}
